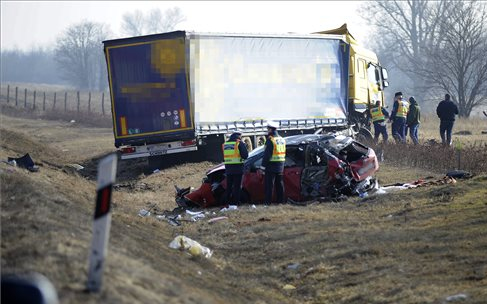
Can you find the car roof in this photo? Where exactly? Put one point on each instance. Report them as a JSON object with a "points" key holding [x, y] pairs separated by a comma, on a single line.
{"points": [[305, 138]]}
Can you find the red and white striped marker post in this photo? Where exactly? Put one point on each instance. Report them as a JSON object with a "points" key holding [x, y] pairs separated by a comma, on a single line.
{"points": [[107, 171]]}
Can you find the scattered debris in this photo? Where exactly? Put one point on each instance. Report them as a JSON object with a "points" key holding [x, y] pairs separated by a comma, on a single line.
{"points": [[144, 213], [156, 171], [75, 166], [229, 208], [194, 248], [23, 162], [217, 219], [293, 266], [132, 186], [457, 297], [459, 174], [72, 121], [289, 287]]}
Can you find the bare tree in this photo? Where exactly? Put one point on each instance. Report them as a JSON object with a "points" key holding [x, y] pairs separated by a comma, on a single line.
{"points": [[155, 21], [405, 29], [79, 53], [458, 65], [133, 24]]}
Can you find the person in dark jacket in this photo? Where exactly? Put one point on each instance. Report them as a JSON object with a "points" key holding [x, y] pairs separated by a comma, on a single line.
{"points": [[398, 117], [379, 115], [234, 154], [273, 161], [446, 111], [413, 119]]}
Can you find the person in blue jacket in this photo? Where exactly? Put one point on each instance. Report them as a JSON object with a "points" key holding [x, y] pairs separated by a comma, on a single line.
{"points": [[273, 161], [446, 111], [234, 154]]}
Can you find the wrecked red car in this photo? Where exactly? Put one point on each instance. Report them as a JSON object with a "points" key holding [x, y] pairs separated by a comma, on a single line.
{"points": [[316, 166]]}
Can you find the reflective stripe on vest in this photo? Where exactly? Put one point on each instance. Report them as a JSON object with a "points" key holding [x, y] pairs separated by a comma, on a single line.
{"points": [[279, 151], [402, 108], [377, 114], [231, 153]]}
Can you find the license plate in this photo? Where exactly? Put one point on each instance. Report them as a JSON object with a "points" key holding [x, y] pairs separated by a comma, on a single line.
{"points": [[156, 153]]}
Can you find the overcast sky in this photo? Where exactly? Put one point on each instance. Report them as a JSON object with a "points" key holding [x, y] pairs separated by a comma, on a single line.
{"points": [[29, 24]]}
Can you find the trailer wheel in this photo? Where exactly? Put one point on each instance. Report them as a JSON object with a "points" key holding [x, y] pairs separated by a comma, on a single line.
{"points": [[248, 143], [260, 141]]}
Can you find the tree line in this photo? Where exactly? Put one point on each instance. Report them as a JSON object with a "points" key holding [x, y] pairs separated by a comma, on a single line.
{"points": [[77, 58]]}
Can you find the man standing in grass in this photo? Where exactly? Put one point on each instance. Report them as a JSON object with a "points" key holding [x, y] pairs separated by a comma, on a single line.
{"points": [[446, 111], [412, 119], [398, 118]]}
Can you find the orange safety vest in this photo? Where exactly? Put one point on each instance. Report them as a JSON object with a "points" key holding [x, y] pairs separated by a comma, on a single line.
{"points": [[402, 108], [377, 114], [279, 151], [231, 153]]}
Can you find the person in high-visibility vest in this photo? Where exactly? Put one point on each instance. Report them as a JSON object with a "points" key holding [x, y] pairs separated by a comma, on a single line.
{"points": [[234, 154], [398, 117], [273, 161], [379, 115]]}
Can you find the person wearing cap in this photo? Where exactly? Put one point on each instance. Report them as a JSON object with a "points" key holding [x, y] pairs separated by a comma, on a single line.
{"points": [[398, 117], [273, 161], [234, 154], [379, 115], [446, 111], [413, 119]]}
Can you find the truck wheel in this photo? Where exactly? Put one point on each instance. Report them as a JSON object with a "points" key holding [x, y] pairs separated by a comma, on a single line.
{"points": [[364, 136], [248, 143]]}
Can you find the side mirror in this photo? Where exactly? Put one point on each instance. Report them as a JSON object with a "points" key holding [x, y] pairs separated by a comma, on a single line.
{"points": [[385, 76], [385, 83]]}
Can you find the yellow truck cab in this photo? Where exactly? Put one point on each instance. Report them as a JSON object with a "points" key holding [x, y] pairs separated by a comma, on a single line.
{"points": [[367, 79]]}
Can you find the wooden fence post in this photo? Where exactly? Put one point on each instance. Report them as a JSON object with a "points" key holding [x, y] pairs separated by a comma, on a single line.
{"points": [[77, 95], [8, 93], [16, 95], [65, 100], [44, 102], [89, 102], [54, 103], [34, 102], [103, 103], [25, 98]]}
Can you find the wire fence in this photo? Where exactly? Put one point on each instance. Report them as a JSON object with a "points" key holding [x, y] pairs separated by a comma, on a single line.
{"points": [[58, 101]]}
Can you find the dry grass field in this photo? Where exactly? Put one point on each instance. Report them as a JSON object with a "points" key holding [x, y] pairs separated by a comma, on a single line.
{"points": [[414, 246]]}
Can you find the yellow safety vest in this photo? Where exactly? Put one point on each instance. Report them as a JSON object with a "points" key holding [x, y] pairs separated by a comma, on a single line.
{"points": [[231, 153], [279, 151], [377, 114], [402, 109]]}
